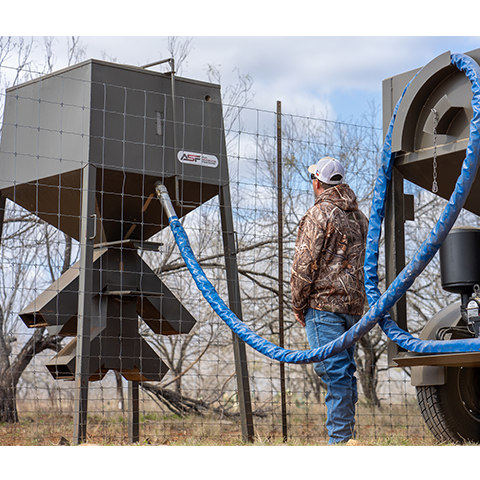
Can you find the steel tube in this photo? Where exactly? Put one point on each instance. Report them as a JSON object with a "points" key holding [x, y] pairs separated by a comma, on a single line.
{"points": [[164, 197]]}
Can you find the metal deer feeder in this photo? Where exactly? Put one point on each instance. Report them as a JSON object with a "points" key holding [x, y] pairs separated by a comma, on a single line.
{"points": [[82, 149], [429, 139]]}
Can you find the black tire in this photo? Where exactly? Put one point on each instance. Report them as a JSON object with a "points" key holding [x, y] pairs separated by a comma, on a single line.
{"points": [[452, 411]]}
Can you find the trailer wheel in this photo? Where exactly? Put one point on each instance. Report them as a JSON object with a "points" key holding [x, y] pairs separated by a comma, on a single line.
{"points": [[452, 411]]}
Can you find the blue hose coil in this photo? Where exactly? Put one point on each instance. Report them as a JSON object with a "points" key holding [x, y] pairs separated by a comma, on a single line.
{"points": [[437, 236], [379, 304]]}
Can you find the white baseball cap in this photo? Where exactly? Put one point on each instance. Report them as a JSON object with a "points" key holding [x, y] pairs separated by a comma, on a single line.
{"points": [[326, 169]]}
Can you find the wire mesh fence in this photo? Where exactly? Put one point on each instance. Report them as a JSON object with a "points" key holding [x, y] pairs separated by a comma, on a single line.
{"points": [[163, 368]]}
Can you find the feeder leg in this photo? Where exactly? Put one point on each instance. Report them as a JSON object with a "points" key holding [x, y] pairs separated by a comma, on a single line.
{"points": [[240, 355], [133, 413], [82, 366]]}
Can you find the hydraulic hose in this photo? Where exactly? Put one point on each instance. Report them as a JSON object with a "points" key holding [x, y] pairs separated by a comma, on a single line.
{"points": [[379, 304]]}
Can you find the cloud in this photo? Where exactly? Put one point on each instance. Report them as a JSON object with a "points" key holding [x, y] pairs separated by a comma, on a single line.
{"points": [[337, 75], [306, 72]]}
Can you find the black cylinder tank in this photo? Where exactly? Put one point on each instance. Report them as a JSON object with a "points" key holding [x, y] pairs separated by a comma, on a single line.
{"points": [[460, 260]]}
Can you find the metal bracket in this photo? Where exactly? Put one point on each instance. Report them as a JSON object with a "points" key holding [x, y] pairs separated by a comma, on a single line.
{"points": [[94, 216]]}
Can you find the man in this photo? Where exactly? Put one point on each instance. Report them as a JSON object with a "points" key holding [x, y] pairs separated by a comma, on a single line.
{"points": [[327, 284]]}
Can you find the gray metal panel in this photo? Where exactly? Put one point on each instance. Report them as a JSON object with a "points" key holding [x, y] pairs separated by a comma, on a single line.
{"points": [[57, 307], [125, 102], [412, 108], [46, 127], [392, 88], [423, 376]]}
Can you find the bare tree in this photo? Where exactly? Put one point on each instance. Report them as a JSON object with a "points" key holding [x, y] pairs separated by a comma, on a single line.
{"points": [[179, 50], [23, 241]]}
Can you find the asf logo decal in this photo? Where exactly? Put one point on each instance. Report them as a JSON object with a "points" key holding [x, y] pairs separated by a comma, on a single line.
{"points": [[198, 159]]}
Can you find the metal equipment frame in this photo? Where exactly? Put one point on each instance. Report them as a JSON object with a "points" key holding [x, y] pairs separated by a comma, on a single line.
{"points": [[423, 155]]}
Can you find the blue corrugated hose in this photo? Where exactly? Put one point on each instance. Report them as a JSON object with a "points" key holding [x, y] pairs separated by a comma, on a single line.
{"points": [[379, 304]]}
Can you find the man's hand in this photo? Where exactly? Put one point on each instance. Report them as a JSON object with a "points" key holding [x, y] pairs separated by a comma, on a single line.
{"points": [[300, 317]]}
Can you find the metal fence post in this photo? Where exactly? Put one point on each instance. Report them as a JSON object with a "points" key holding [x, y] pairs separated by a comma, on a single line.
{"points": [[280, 267]]}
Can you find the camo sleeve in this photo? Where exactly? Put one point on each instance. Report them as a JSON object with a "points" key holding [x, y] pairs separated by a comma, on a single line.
{"points": [[308, 246]]}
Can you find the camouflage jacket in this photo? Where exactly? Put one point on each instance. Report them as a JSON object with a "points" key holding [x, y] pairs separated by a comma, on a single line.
{"points": [[327, 270]]}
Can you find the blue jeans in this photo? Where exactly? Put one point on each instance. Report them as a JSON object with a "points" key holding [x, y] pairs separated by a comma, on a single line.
{"points": [[337, 372]]}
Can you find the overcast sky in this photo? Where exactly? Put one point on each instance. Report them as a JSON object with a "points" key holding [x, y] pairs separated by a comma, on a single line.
{"points": [[316, 57], [312, 75]]}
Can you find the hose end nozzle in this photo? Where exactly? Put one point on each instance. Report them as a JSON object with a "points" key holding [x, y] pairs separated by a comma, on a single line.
{"points": [[160, 189], [164, 197]]}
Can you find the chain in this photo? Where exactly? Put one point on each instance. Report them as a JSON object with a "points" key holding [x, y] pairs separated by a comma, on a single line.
{"points": [[435, 123]]}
